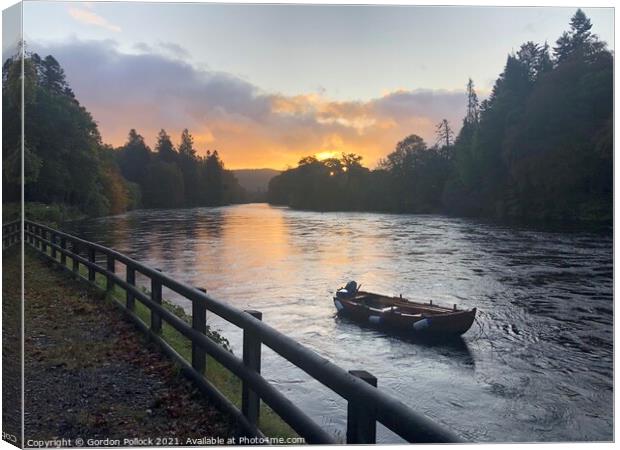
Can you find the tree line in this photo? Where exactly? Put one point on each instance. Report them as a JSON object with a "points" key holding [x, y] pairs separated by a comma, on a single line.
{"points": [[66, 162], [540, 147]]}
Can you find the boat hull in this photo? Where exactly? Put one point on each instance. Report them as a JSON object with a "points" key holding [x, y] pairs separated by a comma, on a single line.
{"points": [[435, 321]]}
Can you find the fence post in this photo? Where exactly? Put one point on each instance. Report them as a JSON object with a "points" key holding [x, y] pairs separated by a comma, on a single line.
{"points": [[131, 279], [53, 239], [110, 266], [63, 257], [75, 248], [156, 297], [43, 237], [91, 270], [250, 401], [199, 323], [362, 419]]}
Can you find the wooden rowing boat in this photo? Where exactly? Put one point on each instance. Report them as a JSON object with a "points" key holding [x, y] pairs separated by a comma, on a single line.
{"points": [[403, 315]]}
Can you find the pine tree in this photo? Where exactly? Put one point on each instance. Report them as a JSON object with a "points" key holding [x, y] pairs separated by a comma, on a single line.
{"points": [[53, 77], [445, 138], [578, 40], [134, 157], [186, 147], [164, 148], [473, 105]]}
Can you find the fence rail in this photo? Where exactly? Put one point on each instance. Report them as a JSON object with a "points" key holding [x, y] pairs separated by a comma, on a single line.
{"points": [[367, 405]]}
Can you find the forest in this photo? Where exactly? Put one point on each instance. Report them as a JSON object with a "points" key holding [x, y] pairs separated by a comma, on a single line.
{"points": [[66, 163], [539, 148]]}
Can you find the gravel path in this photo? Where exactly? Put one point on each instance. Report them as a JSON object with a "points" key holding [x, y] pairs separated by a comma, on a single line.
{"points": [[11, 346], [91, 375]]}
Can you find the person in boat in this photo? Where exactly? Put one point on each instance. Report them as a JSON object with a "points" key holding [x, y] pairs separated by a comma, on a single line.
{"points": [[349, 290]]}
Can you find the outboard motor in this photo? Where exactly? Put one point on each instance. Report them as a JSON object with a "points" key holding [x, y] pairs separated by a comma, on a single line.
{"points": [[348, 291]]}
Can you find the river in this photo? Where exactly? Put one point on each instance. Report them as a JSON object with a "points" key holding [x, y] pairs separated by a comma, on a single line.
{"points": [[536, 366]]}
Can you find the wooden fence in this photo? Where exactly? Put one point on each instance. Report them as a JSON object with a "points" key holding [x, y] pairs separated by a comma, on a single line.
{"points": [[367, 405]]}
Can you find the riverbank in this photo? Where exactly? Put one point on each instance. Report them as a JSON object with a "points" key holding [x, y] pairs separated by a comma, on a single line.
{"points": [[228, 384], [582, 223], [89, 374], [50, 214]]}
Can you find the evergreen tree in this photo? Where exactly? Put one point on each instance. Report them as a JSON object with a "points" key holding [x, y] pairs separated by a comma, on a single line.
{"points": [[134, 157], [189, 165], [164, 186], [472, 104], [578, 41], [213, 174], [53, 77], [164, 148], [445, 138], [186, 147]]}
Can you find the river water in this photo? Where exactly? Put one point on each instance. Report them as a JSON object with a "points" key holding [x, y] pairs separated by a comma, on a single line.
{"points": [[536, 366]]}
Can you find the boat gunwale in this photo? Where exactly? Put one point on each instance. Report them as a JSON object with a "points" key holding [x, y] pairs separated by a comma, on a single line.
{"points": [[428, 308]]}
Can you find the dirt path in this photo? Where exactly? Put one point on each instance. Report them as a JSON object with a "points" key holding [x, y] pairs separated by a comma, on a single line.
{"points": [[91, 375], [11, 347]]}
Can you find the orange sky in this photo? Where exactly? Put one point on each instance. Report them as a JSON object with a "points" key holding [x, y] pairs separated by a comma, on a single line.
{"points": [[266, 85], [293, 127], [250, 127]]}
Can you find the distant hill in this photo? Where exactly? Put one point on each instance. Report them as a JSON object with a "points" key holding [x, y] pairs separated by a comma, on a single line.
{"points": [[255, 180]]}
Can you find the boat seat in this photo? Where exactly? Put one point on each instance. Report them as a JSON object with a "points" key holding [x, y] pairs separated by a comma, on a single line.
{"points": [[415, 316], [392, 309]]}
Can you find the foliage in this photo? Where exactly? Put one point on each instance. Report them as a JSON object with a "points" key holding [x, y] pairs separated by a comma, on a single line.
{"points": [[539, 148], [48, 214], [170, 177], [66, 163], [533, 155]]}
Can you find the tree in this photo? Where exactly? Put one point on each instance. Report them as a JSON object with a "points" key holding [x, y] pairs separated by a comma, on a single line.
{"points": [[164, 148], [578, 41], [134, 158], [11, 125], [472, 104], [417, 175], [213, 174], [189, 166], [535, 59], [65, 160], [405, 154], [445, 137], [53, 76], [186, 147], [539, 147], [164, 187], [62, 142]]}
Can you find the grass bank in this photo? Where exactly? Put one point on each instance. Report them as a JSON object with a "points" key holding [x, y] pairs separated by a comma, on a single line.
{"points": [[52, 215], [225, 381], [89, 374]]}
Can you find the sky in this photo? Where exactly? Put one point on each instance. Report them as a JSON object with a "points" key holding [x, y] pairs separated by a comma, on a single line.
{"points": [[268, 84]]}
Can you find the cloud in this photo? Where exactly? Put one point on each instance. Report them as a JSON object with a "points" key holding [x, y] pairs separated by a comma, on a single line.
{"points": [[248, 126], [87, 16], [173, 49], [167, 48]]}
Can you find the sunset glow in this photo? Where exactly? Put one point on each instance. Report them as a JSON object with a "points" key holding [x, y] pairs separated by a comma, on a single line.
{"points": [[326, 155], [353, 90]]}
